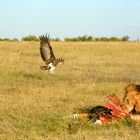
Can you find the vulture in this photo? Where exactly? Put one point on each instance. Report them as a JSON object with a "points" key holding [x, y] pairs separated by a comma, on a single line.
{"points": [[47, 54]]}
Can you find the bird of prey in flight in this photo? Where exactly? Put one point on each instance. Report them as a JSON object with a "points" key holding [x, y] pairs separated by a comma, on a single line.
{"points": [[47, 54]]}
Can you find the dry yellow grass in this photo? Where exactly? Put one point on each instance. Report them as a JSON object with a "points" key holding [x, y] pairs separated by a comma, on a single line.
{"points": [[33, 102]]}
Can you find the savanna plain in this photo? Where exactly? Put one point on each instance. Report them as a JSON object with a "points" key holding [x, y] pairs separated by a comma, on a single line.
{"points": [[33, 102]]}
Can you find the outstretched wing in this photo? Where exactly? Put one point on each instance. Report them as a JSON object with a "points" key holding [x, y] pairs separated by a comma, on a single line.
{"points": [[45, 48]]}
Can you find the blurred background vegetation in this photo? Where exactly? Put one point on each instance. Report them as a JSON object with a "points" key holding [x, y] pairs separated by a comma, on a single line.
{"points": [[73, 39]]}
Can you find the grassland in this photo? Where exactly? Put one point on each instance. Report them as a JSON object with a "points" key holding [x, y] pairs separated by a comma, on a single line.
{"points": [[33, 102]]}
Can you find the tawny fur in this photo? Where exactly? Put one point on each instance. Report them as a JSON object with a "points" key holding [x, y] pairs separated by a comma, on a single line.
{"points": [[131, 99]]}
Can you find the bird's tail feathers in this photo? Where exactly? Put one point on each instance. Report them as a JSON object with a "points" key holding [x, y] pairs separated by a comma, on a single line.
{"points": [[60, 60]]}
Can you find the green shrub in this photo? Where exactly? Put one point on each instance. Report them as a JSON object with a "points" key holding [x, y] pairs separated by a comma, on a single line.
{"points": [[30, 38]]}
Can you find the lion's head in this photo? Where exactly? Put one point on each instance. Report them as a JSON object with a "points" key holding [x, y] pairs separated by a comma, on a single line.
{"points": [[131, 99]]}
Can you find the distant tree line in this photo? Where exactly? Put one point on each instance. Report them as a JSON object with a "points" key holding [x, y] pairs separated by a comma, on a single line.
{"points": [[90, 38], [74, 39], [8, 39], [28, 38]]}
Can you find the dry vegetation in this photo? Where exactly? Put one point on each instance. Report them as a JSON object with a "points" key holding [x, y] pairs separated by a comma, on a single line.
{"points": [[33, 102]]}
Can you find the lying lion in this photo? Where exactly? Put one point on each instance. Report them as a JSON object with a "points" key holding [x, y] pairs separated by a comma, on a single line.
{"points": [[131, 101]]}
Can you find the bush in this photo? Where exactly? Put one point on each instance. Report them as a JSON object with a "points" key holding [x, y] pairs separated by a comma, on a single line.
{"points": [[114, 39], [104, 39], [80, 38], [56, 39], [30, 38], [125, 38], [71, 39], [8, 39]]}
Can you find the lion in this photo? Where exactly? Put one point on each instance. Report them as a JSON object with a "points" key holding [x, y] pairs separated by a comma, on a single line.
{"points": [[131, 101]]}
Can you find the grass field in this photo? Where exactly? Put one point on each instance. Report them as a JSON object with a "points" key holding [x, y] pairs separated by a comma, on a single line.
{"points": [[34, 102]]}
